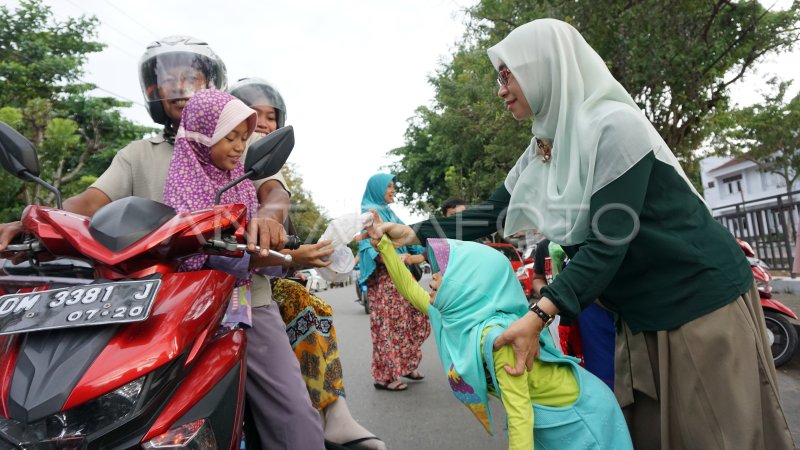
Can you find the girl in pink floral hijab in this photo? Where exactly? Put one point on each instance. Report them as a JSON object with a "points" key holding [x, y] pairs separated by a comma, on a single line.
{"points": [[208, 148]]}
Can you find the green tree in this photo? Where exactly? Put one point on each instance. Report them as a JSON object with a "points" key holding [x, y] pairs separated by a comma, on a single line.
{"points": [[678, 59], [76, 135], [310, 220], [103, 131], [41, 57], [463, 145], [767, 134]]}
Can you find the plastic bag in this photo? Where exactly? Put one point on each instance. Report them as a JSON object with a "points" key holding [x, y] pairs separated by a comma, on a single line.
{"points": [[341, 231]]}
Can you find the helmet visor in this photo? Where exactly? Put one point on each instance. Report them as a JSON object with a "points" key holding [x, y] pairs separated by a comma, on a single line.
{"points": [[258, 94], [177, 75]]}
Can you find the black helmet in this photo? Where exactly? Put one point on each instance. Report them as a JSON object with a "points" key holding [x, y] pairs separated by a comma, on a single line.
{"points": [[160, 81], [258, 92]]}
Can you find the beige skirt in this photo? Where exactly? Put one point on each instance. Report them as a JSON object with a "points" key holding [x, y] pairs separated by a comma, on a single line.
{"points": [[709, 384]]}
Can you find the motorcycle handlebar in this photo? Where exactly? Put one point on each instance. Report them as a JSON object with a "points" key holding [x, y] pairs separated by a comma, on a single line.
{"points": [[27, 246], [292, 242]]}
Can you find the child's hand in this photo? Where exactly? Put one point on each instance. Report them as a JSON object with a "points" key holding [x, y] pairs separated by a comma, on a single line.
{"points": [[315, 255], [399, 234], [374, 230]]}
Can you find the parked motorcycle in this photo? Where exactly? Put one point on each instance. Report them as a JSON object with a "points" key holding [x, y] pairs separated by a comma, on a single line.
{"points": [[134, 357], [781, 321]]}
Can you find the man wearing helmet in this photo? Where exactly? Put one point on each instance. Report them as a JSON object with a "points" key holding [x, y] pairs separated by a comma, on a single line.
{"points": [[171, 71]]}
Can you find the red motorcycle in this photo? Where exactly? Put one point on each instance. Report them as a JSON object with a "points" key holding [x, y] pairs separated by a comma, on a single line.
{"points": [[780, 320], [134, 357]]}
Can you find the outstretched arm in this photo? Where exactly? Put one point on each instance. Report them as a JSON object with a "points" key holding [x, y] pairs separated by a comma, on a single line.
{"points": [[472, 223], [405, 283]]}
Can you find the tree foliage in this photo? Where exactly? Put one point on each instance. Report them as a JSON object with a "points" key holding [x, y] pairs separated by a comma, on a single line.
{"points": [[41, 57], [767, 134], [462, 145], [677, 58], [76, 135], [309, 219]]}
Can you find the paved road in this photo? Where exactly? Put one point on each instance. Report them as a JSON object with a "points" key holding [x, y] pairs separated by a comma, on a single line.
{"points": [[427, 416], [789, 376]]}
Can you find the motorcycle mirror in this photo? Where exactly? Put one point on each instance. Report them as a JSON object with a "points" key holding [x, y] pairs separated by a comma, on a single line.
{"points": [[17, 154], [18, 157], [267, 155]]}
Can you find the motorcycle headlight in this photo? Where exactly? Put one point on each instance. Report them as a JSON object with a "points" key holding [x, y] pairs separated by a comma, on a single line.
{"points": [[74, 424], [763, 285], [195, 435]]}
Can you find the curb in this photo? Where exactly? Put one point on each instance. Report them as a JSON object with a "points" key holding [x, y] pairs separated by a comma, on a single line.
{"points": [[786, 285]]}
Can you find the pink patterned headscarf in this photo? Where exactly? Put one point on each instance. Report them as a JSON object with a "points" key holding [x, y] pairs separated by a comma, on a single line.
{"points": [[438, 254], [193, 180]]}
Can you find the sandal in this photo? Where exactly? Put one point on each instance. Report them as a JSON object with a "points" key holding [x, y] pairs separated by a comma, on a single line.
{"points": [[355, 444], [415, 375], [398, 386]]}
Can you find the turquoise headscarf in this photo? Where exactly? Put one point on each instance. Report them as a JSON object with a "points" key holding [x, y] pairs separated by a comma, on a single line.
{"points": [[374, 199], [478, 289]]}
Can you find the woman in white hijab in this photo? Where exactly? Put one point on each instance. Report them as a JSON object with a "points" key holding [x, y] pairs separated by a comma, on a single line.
{"points": [[693, 366]]}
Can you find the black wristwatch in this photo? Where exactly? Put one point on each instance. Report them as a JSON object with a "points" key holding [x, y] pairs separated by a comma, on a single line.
{"points": [[546, 318]]}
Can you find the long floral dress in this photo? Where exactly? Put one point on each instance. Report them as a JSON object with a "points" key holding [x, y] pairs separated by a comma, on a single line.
{"points": [[398, 329]]}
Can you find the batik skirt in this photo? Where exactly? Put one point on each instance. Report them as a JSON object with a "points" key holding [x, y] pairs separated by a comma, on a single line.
{"points": [[309, 325]]}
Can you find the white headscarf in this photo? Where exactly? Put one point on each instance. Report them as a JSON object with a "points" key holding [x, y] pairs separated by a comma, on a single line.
{"points": [[597, 130]]}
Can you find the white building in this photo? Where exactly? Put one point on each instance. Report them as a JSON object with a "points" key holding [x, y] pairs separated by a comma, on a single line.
{"points": [[735, 187], [728, 182]]}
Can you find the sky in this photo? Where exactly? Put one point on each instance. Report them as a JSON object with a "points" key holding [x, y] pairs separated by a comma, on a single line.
{"points": [[352, 72]]}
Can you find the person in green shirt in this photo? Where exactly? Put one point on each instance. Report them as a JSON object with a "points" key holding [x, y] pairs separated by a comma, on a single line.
{"points": [[693, 365], [474, 296]]}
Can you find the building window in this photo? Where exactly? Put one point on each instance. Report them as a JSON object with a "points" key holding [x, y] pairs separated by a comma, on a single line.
{"points": [[768, 181], [732, 179], [734, 183], [711, 185]]}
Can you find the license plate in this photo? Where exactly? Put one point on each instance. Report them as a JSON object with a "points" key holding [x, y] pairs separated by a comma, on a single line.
{"points": [[78, 306]]}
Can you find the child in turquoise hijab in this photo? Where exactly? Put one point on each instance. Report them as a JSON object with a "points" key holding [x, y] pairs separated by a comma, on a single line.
{"points": [[475, 296]]}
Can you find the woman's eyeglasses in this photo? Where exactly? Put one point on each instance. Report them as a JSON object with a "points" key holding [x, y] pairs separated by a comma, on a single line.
{"points": [[502, 76]]}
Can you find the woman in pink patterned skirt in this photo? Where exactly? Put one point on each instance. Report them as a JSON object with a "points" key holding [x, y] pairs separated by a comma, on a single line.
{"points": [[398, 330]]}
